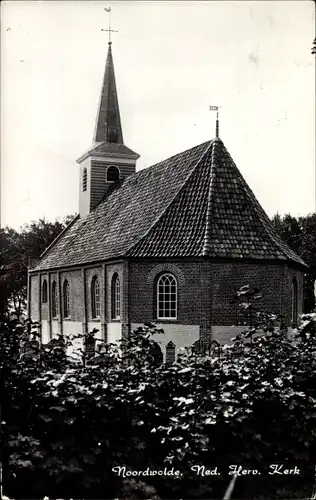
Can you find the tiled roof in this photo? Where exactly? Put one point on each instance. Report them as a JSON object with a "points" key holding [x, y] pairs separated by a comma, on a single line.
{"points": [[194, 204], [110, 148]]}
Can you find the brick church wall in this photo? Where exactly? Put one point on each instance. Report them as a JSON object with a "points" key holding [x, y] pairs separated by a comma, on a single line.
{"points": [[193, 286], [75, 295], [273, 280], [206, 290]]}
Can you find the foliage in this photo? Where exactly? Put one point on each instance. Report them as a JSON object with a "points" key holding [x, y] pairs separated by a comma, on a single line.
{"points": [[250, 403], [300, 234], [16, 249]]}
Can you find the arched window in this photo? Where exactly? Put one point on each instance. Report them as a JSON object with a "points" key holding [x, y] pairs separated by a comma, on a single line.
{"points": [[44, 292], [112, 174], [294, 301], [116, 297], [54, 300], [167, 297], [66, 300], [95, 297], [84, 179]]}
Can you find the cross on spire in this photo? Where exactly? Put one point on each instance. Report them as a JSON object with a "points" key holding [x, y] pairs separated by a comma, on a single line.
{"points": [[216, 108], [109, 30]]}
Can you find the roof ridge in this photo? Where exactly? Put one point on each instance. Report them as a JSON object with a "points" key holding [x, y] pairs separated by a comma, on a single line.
{"points": [[207, 234], [59, 235], [161, 215], [154, 165]]}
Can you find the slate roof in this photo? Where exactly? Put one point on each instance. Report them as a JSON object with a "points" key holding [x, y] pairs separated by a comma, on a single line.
{"points": [[194, 204], [110, 148]]}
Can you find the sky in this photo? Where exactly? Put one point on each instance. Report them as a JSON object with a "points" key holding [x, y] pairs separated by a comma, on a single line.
{"points": [[172, 61]]}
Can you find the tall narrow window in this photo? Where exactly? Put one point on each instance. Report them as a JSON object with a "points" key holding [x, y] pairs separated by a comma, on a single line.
{"points": [[66, 300], [95, 297], [116, 297], [112, 174], [54, 300], [84, 179], [294, 301], [167, 297], [44, 292]]}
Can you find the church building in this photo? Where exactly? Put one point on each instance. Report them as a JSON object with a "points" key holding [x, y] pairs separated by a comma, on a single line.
{"points": [[170, 244]]}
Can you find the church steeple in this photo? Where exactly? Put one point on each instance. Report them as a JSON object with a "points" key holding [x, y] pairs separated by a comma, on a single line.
{"points": [[108, 160], [108, 123]]}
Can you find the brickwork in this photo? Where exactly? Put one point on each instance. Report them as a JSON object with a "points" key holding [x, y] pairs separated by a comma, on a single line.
{"points": [[125, 318], [103, 304], [192, 291], [205, 292], [76, 293], [53, 277], [227, 278]]}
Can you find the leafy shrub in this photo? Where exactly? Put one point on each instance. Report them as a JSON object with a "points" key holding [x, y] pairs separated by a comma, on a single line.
{"points": [[250, 403]]}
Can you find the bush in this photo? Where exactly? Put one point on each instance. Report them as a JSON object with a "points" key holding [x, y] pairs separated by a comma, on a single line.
{"points": [[249, 404]]}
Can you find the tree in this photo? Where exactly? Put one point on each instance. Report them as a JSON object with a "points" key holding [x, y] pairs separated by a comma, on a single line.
{"points": [[16, 249], [300, 234], [65, 427]]}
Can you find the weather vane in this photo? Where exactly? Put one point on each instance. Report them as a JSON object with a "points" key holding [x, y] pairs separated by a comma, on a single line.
{"points": [[109, 30], [216, 108]]}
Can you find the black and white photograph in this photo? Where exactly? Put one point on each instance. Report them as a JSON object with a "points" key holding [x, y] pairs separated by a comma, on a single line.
{"points": [[158, 250]]}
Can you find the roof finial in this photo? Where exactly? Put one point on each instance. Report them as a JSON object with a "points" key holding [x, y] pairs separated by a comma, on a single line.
{"points": [[216, 108], [109, 30]]}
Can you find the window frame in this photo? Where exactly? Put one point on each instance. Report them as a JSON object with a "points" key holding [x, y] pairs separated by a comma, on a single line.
{"points": [[85, 179], [116, 297], [54, 292], [164, 317], [44, 292], [95, 298], [66, 299]]}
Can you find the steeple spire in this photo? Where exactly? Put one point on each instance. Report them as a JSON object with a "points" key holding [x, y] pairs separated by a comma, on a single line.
{"points": [[108, 123]]}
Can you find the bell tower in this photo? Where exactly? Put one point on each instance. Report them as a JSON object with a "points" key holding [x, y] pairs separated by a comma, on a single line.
{"points": [[108, 160]]}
